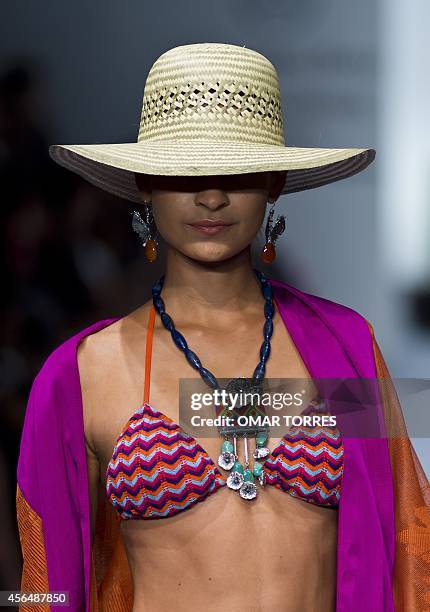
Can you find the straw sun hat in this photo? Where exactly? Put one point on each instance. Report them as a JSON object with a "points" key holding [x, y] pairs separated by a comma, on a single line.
{"points": [[209, 109]]}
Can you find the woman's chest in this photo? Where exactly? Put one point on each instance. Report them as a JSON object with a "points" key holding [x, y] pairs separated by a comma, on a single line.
{"points": [[169, 373]]}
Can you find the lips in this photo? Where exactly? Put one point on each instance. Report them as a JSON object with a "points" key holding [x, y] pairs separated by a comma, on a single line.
{"points": [[210, 226], [210, 223]]}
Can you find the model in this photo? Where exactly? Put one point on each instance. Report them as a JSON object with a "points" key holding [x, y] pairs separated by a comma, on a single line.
{"points": [[125, 509]]}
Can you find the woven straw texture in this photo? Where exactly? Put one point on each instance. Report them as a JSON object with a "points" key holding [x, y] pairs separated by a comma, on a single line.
{"points": [[209, 109]]}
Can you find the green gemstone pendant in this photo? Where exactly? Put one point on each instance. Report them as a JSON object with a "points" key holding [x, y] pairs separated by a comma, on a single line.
{"points": [[227, 447], [237, 467], [257, 468], [261, 438], [248, 476]]}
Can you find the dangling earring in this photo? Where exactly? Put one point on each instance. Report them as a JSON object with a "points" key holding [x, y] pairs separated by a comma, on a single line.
{"points": [[272, 233], [147, 230]]}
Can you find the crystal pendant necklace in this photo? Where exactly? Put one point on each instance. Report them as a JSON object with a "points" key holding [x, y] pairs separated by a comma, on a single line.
{"points": [[242, 477]]}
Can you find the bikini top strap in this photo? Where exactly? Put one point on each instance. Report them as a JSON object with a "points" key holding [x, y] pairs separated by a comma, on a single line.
{"points": [[148, 354]]}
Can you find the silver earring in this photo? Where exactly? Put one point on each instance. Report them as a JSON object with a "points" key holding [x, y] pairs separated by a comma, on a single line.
{"points": [[272, 233], [147, 230]]}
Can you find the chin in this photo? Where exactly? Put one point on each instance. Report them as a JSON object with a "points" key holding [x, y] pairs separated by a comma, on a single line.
{"points": [[212, 256]]}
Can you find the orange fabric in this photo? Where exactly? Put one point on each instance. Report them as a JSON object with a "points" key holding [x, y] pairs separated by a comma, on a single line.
{"points": [[111, 581], [148, 353], [34, 577], [412, 502]]}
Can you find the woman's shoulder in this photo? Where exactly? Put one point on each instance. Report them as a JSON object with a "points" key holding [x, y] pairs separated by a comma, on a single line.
{"points": [[63, 356], [102, 337]]}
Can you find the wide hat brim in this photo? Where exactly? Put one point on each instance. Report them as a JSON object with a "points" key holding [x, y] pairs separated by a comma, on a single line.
{"points": [[112, 166]]}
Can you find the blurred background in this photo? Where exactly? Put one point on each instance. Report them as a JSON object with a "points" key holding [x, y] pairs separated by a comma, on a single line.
{"points": [[352, 75]]}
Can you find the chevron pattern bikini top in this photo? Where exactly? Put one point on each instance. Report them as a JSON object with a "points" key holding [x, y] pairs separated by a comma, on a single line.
{"points": [[158, 470]]}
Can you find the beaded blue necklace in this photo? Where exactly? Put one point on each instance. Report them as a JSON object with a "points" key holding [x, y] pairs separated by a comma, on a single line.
{"points": [[241, 478]]}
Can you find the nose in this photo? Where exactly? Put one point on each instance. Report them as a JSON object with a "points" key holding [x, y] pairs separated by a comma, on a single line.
{"points": [[212, 199], [211, 194]]}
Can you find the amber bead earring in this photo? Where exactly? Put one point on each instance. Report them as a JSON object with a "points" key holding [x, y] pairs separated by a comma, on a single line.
{"points": [[272, 233]]}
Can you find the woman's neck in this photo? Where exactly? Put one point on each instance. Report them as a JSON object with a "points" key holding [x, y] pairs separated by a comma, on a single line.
{"points": [[202, 292]]}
